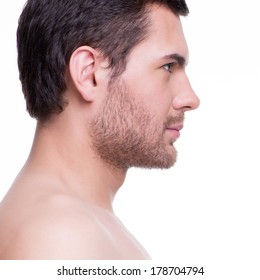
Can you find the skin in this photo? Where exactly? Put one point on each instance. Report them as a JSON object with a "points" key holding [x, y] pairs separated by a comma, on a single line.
{"points": [[60, 205]]}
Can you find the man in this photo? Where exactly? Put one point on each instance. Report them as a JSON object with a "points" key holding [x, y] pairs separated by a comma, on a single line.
{"points": [[106, 82]]}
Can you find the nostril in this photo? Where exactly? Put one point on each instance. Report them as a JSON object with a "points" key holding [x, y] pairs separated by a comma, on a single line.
{"points": [[187, 108]]}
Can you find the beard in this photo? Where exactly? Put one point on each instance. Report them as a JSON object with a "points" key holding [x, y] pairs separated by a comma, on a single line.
{"points": [[125, 134]]}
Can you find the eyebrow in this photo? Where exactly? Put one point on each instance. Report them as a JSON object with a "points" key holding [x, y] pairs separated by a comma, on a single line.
{"points": [[182, 61]]}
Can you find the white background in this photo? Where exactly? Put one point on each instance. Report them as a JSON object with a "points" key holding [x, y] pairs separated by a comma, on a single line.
{"points": [[205, 211]]}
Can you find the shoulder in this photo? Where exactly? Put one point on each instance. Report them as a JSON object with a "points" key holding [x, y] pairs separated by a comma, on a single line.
{"points": [[60, 228]]}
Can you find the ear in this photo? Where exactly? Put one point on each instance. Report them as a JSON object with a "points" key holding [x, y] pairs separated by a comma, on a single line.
{"points": [[82, 71]]}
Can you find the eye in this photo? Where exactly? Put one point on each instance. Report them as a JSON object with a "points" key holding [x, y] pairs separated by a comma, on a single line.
{"points": [[169, 66]]}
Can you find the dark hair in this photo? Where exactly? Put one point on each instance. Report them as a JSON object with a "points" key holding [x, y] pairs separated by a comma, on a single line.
{"points": [[50, 30]]}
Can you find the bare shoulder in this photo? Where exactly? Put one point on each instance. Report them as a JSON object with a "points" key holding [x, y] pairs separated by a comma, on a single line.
{"points": [[45, 222], [59, 227]]}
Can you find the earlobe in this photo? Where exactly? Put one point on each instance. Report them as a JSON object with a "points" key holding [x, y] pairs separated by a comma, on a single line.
{"points": [[82, 71]]}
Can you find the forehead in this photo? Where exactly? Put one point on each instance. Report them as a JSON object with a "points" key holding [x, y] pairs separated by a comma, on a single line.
{"points": [[165, 35]]}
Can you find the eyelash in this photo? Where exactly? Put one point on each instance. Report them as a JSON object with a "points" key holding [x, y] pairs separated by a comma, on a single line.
{"points": [[172, 64]]}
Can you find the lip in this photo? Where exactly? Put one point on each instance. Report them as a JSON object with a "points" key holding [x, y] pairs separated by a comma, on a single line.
{"points": [[175, 129]]}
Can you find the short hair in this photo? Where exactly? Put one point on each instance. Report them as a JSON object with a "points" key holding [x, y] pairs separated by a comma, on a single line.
{"points": [[49, 31]]}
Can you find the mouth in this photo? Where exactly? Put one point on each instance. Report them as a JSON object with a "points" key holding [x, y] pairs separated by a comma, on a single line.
{"points": [[174, 130]]}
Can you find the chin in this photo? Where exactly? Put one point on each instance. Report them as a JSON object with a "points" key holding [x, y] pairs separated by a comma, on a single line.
{"points": [[162, 163]]}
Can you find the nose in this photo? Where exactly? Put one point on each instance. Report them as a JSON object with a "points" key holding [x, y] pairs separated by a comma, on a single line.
{"points": [[185, 97]]}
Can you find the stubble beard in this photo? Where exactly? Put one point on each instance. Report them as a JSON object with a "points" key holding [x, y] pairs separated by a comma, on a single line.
{"points": [[125, 134]]}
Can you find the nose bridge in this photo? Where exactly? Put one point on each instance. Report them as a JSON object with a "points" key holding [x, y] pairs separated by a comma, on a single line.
{"points": [[185, 98]]}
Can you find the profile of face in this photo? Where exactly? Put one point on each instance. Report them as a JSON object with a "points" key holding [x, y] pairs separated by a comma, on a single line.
{"points": [[144, 108]]}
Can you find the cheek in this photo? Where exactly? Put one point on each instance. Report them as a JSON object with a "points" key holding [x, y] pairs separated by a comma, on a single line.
{"points": [[154, 94], [159, 101]]}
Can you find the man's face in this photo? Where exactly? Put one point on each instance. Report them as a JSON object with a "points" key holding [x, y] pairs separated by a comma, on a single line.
{"points": [[144, 109]]}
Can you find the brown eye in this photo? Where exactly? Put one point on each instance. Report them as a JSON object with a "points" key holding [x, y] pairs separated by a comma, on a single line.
{"points": [[169, 67]]}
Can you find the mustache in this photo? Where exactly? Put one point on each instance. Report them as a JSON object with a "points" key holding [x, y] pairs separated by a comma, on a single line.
{"points": [[172, 120]]}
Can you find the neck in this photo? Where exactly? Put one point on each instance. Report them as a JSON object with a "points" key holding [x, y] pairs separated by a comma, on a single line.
{"points": [[64, 153]]}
